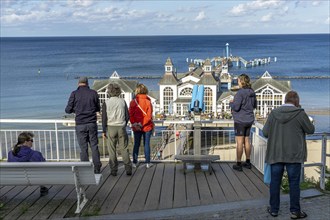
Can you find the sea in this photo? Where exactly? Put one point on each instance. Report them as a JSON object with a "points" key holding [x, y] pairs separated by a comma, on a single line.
{"points": [[39, 73]]}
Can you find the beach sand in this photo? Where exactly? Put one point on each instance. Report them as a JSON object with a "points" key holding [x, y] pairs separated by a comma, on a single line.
{"points": [[314, 148]]}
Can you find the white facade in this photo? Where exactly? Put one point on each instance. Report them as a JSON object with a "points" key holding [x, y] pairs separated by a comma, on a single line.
{"points": [[176, 92]]}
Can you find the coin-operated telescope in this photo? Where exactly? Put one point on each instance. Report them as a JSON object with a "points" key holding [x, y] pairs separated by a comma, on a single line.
{"points": [[197, 100]]}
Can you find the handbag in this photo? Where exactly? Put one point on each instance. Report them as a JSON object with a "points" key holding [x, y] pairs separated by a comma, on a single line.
{"points": [[153, 124], [267, 173]]}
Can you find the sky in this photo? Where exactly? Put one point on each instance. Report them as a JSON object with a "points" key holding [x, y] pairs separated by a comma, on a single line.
{"points": [[22, 18]]}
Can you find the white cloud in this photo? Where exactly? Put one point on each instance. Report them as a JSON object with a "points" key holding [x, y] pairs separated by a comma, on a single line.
{"points": [[80, 3], [257, 5], [316, 3], [267, 18], [201, 16]]}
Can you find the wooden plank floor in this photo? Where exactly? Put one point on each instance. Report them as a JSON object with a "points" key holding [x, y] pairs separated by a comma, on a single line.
{"points": [[163, 186]]}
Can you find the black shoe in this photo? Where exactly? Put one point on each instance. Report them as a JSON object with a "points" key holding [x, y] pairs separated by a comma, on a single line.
{"points": [[298, 215], [113, 173], [43, 190], [97, 170], [237, 167], [129, 172], [247, 165], [274, 214]]}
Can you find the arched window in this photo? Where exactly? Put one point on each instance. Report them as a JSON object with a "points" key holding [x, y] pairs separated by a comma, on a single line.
{"points": [[208, 100], [168, 100], [186, 92], [266, 103]]}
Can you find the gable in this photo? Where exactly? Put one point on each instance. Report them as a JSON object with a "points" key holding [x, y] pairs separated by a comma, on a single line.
{"points": [[190, 78]]}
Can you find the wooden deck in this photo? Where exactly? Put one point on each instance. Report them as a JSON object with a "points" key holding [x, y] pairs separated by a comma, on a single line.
{"points": [[163, 186]]}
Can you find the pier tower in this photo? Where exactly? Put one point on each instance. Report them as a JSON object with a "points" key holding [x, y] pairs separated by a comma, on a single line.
{"points": [[227, 50]]}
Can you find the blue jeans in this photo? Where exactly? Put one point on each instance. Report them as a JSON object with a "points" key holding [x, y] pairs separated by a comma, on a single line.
{"points": [[294, 171], [87, 134], [146, 143]]}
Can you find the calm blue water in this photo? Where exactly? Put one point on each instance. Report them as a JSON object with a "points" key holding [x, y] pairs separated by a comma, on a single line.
{"points": [[27, 94]]}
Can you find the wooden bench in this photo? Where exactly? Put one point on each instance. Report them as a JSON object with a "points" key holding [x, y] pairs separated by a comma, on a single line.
{"points": [[51, 173], [197, 160]]}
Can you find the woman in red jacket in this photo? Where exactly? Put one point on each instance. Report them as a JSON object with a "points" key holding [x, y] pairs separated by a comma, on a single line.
{"points": [[140, 113]]}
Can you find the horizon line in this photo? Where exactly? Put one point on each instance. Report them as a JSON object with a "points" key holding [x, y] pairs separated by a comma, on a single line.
{"points": [[161, 35]]}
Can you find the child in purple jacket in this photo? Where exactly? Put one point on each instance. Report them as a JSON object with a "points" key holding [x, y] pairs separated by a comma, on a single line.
{"points": [[23, 152]]}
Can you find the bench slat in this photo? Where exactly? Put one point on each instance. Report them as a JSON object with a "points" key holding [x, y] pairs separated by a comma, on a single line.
{"points": [[46, 173]]}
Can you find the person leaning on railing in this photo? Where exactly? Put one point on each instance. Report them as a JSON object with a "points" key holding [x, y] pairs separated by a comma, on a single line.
{"points": [[140, 114], [23, 152], [286, 128]]}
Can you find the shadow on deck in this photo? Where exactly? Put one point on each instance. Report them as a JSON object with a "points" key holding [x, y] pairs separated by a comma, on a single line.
{"points": [[163, 186]]}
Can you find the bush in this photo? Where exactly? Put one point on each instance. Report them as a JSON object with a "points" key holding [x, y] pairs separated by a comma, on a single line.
{"points": [[308, 183]]}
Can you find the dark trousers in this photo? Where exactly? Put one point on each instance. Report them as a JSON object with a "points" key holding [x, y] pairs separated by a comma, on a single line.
{"points": [[87, 134], [294, 171]]}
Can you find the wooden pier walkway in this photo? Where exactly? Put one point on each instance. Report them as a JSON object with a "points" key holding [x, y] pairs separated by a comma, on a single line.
{"points": [[163, 186]]}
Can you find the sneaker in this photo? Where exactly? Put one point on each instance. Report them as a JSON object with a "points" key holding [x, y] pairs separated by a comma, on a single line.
{"points": [[43, 190], [135, 165], [149, 165], [274, 214], [237, 167], [113, 173], [247, 165], [298, 215]]}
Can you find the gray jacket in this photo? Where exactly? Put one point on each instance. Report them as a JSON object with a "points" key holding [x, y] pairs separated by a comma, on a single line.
{"points": [[114, 113], [285, 129]]}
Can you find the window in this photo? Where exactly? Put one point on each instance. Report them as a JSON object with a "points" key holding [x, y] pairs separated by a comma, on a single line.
{"points": [[266, 104], [103, 96], [208, 100], [186, 92], [168, 100]]}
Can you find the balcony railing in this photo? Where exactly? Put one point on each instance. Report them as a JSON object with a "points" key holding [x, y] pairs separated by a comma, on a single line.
{"points": [[57, 142]]}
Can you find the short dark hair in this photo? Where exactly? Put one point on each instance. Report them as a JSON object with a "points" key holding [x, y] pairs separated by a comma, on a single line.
{"points": [[114, 90], [292, 97]]}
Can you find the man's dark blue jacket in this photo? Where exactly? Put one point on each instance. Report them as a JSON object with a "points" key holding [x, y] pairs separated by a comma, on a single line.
{"points": [[84, 102]]}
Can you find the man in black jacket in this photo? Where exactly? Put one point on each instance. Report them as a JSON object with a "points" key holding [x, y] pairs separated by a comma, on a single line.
{"points": [[84, 102]]}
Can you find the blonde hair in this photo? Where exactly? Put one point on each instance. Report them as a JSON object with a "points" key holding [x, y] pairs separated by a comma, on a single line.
{"points": [[141, 89], [245, 81]]}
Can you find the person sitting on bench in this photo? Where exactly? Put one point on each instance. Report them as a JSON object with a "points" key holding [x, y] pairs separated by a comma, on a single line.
{"points": [[23, 152]]}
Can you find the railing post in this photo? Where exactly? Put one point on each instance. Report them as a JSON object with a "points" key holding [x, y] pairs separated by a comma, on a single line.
{"points": [[57, 145], [197, 137], [302, 174], [323, 161]]}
